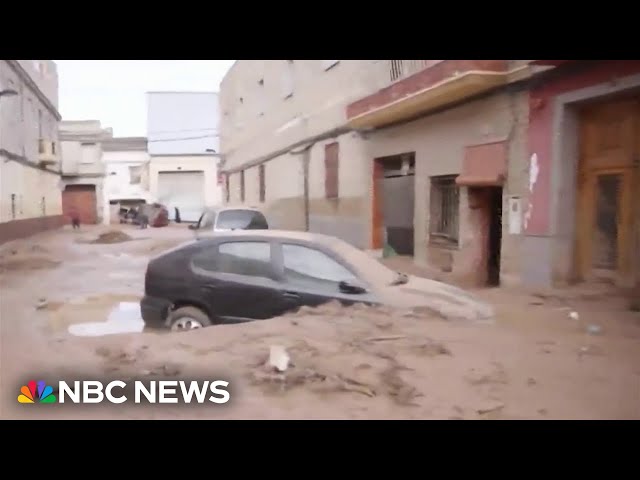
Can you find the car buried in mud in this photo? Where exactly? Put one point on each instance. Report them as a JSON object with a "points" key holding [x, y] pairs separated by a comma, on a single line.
{"points": [[247, 275]]}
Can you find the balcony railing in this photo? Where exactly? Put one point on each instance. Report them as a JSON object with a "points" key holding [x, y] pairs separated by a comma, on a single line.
{"points": [[399, 69]]}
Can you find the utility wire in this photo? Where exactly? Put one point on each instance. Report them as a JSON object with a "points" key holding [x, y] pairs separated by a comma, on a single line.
{"points": [[180, 139], [187, 130]]}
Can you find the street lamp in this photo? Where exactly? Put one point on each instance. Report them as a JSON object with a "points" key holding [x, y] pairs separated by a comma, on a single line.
{"points": [[8, 93]]}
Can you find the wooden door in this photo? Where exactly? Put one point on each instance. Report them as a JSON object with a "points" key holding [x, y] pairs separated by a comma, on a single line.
{"points": [[609, 145], [377, 221]]}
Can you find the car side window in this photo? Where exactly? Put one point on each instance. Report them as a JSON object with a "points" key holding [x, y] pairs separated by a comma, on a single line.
{"points": [[251, 259], [205, 259], [310, 267]]}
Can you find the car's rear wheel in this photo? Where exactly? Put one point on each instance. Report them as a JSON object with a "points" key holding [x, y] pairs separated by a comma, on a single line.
{"points": [[188, 318]]}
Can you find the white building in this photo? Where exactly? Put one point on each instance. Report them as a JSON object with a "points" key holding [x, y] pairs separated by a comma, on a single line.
{"points": [[182, 132], [126, 163], [30, 198], [82, 168]]}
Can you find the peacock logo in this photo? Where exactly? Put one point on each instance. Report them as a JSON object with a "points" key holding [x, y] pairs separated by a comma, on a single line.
{"points": [[44, 393]]}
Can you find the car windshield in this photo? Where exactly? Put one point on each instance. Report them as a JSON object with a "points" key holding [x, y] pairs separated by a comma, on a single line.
{"points": [[240, 220], [369, 268]]}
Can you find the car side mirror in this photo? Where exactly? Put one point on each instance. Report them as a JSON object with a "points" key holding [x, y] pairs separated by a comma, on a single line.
{"points": [[350, 288]]}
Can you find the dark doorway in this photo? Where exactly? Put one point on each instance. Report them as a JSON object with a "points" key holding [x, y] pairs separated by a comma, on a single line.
{"points": [[495, 236], [394, 203]]}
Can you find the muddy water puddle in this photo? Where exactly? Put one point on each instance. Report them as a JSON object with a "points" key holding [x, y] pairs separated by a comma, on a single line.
{"points": [[95, 315], [125, 317]]}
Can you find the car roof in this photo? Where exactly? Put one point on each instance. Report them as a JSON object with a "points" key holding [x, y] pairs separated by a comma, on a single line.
{"points": [[219, 209], [279, 234]]}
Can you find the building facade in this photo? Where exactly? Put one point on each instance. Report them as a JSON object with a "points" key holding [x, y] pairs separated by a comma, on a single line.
{"points": [[183, 138], [583, 221], [494, 171], [83, 171], [446, 142], [30, 182], [126, 162], [287, 147]]}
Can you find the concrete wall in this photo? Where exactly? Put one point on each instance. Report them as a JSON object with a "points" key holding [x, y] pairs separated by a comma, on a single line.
{"points": [[438, 142], [81, 158], [346, 217], [45, 75], [260, 115], [24, 119], [117, 181], [29, 185], [207, 164], [182, 122]]}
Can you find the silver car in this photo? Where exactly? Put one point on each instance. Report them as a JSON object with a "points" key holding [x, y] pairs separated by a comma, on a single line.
{"points": [[225, 219]]}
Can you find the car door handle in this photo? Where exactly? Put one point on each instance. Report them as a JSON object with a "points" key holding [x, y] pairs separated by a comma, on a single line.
{"points": [[210, 288], [290, 295]]}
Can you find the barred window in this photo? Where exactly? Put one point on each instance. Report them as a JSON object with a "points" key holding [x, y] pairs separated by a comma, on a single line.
{"points": [[444, 206]]}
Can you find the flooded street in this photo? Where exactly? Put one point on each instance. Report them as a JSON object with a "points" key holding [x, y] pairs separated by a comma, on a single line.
{"points": [[69, 309]]}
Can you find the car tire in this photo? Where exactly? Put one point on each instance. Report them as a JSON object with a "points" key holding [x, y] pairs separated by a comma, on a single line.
{"points": [[188, 318]]}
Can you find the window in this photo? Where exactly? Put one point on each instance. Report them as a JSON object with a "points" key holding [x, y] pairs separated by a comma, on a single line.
{"points": [[90, 153], [261, 181], [331, 164], [13, 206], [241, 219], [227, 187], [135, 174], [443, 206], [39, 123], [239, 258], [43, 206], [288, 79], [242, 186], [306, 266], [327, 64]]}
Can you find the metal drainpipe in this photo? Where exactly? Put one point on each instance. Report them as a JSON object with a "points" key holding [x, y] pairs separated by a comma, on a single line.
{"points": [[306, 159]]}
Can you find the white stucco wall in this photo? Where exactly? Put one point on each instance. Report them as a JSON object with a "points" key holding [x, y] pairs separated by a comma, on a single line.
{"points": [[259, 118], [206, 164], [117, 182], [24, 118]]}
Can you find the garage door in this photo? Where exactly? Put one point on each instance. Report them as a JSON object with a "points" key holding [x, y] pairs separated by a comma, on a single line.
{"points": [[184, 190], [82, 199]]}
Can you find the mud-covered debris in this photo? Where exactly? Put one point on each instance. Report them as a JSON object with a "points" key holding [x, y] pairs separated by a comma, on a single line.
{"points": [[531, 381], [42, 303], [112, 236], [103, 352], [385, 338], [171, 369], [279, 358], [274, 381], [431, 349], [350, 385], [490, 406]]}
